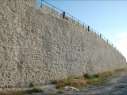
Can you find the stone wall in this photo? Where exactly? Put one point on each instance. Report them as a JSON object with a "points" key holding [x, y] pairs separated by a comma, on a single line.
{"points": [[36, 47]]}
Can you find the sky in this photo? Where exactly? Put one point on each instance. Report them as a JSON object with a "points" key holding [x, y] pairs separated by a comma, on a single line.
{"points": [[108, 17]]}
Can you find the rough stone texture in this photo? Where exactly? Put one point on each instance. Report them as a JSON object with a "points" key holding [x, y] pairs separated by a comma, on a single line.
{"points": [[36, 46]]}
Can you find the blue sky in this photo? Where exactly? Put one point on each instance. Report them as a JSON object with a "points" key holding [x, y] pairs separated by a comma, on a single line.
{"points": [[108, 17]]}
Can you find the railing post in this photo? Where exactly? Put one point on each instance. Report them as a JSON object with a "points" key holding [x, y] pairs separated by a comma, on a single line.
{"points": [[107, 41], [41, 3], [63, 14], [100, 35], [88, 29]]}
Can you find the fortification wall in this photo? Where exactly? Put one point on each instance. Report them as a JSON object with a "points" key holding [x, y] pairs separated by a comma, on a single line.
{"points": [[36, 47]]}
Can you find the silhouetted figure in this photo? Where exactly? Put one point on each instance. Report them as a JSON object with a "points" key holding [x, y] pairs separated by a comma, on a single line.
{"points": [[88, 28], [64, 14]]}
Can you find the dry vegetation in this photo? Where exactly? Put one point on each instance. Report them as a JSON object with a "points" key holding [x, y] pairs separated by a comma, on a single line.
{"points": [[84, 80]]}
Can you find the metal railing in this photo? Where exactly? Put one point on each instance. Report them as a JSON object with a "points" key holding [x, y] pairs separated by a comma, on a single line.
{"points": [[73, 19], [60, 12]]}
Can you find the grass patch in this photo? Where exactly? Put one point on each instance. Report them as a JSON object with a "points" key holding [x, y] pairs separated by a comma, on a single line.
{"points": [[121, 70], [84, 80], [98, 79], [31, 85], [71, 81], [87, 76], [33, 90]]}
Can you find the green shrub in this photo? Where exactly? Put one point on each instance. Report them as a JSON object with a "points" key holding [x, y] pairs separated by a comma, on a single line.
{"points": [[31, 85], [99, 78], [75, 82], [34, 90], [87, 76]]}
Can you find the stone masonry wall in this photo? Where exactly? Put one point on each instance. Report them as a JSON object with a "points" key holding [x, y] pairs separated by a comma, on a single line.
{"points": [[36, 47]]}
